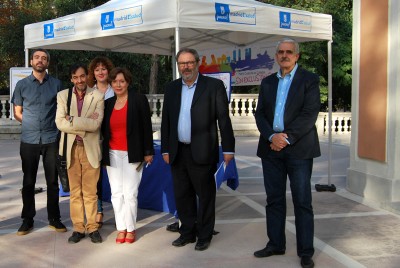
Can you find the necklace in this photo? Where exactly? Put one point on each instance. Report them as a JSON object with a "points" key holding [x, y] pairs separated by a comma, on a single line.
{"points": [[123, 99]]}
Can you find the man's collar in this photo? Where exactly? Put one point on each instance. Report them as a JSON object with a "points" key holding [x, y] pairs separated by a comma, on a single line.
{"points": [[194, 83], [291, 74], [33, 78], [78, 94]]}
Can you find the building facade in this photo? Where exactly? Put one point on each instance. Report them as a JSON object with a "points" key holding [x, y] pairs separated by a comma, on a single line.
{"points": [[374, 171]]}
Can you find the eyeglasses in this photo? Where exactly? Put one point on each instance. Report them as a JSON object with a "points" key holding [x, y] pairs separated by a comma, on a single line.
{"points": [[188, 63], [289, 52]]}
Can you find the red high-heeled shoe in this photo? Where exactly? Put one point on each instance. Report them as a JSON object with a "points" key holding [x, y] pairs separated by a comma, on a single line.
{"points": [[121, 240], [130, 240]]}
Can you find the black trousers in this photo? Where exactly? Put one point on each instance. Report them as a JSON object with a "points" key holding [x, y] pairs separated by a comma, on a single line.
{"points": [[30, 156], [191, 182]]}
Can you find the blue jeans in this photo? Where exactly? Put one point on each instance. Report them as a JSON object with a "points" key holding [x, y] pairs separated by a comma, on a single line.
{"points": [[276, 171]]}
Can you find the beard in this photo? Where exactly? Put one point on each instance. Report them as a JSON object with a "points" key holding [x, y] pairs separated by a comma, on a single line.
{"points": [[189, 75], [39, 69], [81, 87]]}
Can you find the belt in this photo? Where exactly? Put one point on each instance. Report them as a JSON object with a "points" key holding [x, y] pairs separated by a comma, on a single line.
{"points": [[78, 142], [185, 143]]}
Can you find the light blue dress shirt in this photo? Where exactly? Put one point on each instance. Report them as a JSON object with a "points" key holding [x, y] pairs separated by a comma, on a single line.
{"points": [[109, 92], [281, 97], [184, 121]]}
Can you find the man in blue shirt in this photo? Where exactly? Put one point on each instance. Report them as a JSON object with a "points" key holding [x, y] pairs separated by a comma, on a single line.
{"points": [[195, 106], [35, 103], [288, 107]]}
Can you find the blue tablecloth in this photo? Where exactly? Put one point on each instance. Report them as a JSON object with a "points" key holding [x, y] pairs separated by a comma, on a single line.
{"points": [[156, 188]]}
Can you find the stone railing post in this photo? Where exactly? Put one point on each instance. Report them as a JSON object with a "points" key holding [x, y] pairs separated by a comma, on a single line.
{"points": [[4, 100]]}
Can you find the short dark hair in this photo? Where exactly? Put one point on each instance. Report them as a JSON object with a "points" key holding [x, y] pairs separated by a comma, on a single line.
{"points": [[74, 67], [41, 50], [91, 80], [188, 50], [120, 70]]}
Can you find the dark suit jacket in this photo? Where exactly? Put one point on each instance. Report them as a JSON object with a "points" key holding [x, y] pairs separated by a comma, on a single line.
{"points": [[301, 112], [209, 105], [139, 128]]}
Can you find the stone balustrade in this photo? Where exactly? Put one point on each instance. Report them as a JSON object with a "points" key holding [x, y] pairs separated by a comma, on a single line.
{"points": [[242, 108]]}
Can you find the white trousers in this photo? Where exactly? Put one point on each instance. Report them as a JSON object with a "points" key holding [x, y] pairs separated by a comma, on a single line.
{"points": [[124, 183]]}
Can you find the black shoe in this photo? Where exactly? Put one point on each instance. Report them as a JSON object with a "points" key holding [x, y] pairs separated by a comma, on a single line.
{"points": [[173, 227], [95, 237], [25, 228], [307, 262], [202, 245], [57, 225], [180, 242], [76, 237], [267, 252]]}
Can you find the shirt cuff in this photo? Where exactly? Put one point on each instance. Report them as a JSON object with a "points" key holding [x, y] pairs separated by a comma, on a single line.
{"points": [[270, 137]]}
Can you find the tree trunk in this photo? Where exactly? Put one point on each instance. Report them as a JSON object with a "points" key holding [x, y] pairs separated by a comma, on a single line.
{"points": [[153, 82], [153, 74]]}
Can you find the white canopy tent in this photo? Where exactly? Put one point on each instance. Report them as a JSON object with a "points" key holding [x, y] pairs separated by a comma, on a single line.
{"points": [[162, 27]]}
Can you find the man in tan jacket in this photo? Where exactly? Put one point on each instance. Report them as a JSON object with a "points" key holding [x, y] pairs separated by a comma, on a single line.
{"points": [[83, 151]]}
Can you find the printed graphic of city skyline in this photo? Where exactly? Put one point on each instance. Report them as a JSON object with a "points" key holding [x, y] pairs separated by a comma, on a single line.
{"points": [[235, 63]]}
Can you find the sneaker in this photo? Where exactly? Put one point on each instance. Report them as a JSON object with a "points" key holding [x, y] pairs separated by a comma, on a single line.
{"points": [[57, 225], [95, 237], [25, 228], [75, 237]]}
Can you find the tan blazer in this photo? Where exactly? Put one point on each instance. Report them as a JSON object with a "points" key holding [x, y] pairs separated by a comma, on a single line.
{"points": [[87, 128]]}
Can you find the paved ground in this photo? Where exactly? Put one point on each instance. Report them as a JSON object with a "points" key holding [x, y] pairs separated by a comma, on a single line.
{"points": [[348, 231]]}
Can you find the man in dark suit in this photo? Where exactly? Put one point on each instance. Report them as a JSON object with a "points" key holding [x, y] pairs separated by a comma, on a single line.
{"points": [[192, 107], [288, 107]]}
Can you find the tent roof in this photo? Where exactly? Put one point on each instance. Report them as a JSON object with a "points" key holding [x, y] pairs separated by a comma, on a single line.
{"points": [[150, 26]]}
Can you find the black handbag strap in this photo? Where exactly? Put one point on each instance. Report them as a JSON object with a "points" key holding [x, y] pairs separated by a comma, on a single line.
{"points": [[68, 111]]}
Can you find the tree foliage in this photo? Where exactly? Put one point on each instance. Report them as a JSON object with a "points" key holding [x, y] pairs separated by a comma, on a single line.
{"points": [[14, 17], [314, 55], [20, 13], [17, 13]]}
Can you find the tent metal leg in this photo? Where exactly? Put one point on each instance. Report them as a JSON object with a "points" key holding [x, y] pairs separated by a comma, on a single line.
{"points": [[329, 187]]}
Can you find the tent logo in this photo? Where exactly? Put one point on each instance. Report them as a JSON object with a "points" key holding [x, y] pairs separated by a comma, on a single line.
{"points": [[59, 29], [125, 17], [285, 20], [107, 20], [222, 9], [48, 31], [295, 21], [235, 14], [221, 12]]}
